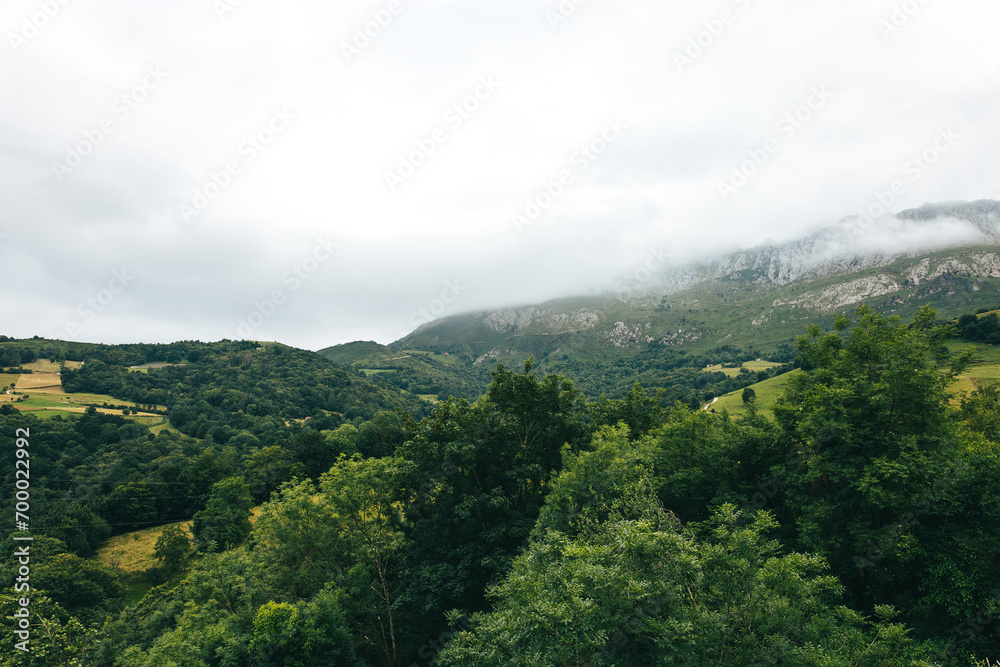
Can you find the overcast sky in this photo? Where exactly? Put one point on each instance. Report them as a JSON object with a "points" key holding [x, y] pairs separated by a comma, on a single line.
{"points": [[322, 172]]}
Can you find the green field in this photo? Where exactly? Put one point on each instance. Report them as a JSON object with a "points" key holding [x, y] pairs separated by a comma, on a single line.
{"points": [[730, 372], [767, 391], [132, 554], [759, 365], [46, 402], [449, 359], [985, 369], [44, 366], [752, 366]]}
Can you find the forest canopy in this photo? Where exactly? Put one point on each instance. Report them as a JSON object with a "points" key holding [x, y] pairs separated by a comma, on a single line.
{"points": [[856, 523]]}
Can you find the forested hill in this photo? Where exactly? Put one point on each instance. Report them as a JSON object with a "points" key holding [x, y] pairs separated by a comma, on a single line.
{"points": [[421, 373], [851, 521], [234, 383]]}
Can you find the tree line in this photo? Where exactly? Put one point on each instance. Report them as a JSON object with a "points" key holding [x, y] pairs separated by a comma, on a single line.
{"points": [[533, 525]]}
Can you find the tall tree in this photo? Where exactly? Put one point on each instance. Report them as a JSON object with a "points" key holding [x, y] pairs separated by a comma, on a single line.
{"points": [[225, 521]]}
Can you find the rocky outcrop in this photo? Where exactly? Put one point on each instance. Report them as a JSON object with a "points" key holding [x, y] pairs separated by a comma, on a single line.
{"points": [[837, 297]]}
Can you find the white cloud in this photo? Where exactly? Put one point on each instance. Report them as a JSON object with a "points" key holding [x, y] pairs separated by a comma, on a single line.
{"points": [[325, 174]]}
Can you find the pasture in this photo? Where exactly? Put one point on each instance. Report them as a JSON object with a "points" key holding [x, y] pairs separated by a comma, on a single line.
{"points": [[767, 392]]}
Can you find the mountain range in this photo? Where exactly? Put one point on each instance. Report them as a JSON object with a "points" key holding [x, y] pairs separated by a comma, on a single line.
{"points": [[757, 300]]}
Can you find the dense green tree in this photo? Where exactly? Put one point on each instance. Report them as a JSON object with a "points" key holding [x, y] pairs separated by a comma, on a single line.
{"points": [[639, 410], [346, 532], [172, 546], [981, 410], [886, 470], [645, 592], [312, 634], [131, 506], [269, 468], [480, 478], [381, 435], [225, 521]]}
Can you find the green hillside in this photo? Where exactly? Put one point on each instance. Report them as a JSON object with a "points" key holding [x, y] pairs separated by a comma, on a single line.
{"points": [[423, 373], [767, 393], [604, 344]]}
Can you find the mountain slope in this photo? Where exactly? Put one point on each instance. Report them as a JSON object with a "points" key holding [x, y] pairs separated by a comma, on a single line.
{"points": [[418, 372], [760, 299]]}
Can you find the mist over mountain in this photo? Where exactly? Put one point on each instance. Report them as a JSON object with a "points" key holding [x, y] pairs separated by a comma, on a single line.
{"points": [[946, 255], [852, 244]]}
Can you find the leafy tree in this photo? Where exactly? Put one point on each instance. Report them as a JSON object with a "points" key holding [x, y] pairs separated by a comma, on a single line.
{"points": [[380, 435], [363, 494], [172, 546], [640, 410], [225, 521], [887, 470], [269, 468], [694, 463], [57, 638], [874, 417], [347, 532], [130, 506], [981, 411], [310, 634], [643, 592], [749, 395]]}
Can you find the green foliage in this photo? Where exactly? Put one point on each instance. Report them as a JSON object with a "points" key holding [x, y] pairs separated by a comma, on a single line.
{"points": [[225, 521], [886, 489], [346, 532], [172, 547], [269, 468], [981, 411], [57, 638], [749, 395], [568, 532], [980, 329], [479, 480], [310, 634], [695, 462], [645, 592], [592, 481], [639, 410]]}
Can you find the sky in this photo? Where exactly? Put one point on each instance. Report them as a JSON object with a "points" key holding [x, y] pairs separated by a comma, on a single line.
{"points": [[318, 173]]}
